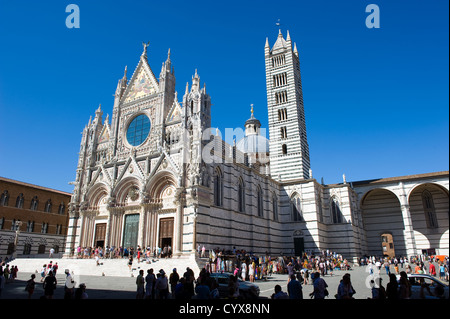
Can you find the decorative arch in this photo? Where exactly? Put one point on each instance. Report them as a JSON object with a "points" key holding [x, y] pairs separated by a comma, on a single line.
{"points": [[429, 209], [381, 206], [122, 190], [425, 185], [95, 194], [159, 183]]}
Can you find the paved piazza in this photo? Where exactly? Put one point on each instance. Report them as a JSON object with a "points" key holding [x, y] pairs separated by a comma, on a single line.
{"points": [[118, 282]]}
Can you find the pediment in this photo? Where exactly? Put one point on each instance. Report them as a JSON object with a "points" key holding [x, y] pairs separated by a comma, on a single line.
{"points": [[143, 83]]}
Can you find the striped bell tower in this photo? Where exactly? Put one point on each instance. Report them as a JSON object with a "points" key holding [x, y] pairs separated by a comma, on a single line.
{"points": [[289, 150]]}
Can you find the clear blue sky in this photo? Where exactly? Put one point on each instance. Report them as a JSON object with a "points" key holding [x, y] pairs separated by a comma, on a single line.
{"points": [[376, 100]]}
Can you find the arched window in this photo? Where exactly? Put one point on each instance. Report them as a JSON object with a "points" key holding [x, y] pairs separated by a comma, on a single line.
{"points": [[241, 196], [260, 206], [30, 226], [296, 208], [61, 209], [44, 228], [48, 206], [19, 201], [429, 210], [4, 198], [275, 207], [34, 203], [218, 188], [336, 213]]}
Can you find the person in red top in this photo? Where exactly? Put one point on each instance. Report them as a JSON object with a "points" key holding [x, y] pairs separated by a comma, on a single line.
{"points": [[432, 269]]}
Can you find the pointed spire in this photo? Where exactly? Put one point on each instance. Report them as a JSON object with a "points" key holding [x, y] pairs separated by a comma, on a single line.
{"points": [[288, 37], [195, 81], [280, 35], [168, 62], [125, 73], [267, 43], [295, 49], [251, 111], [98, 114], [187, 88]]}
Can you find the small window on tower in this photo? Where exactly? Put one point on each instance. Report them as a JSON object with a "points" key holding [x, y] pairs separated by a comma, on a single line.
{"points": [[284, 149]]}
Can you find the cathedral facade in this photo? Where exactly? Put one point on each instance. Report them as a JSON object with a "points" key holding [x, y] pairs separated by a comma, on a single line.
{"points": [[157, 175]]}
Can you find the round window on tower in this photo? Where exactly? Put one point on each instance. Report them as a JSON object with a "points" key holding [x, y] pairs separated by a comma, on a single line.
{"points": [[138, 130]]}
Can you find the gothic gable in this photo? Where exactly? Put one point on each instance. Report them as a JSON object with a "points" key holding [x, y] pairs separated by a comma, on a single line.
{"points": [[143, 83], [174, 114]]}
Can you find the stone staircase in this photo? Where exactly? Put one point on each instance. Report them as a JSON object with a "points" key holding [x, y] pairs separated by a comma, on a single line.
{"points": [[107, 267]]}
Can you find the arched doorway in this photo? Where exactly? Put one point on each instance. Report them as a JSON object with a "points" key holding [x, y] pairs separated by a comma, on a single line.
{"points": [[381, 215]]}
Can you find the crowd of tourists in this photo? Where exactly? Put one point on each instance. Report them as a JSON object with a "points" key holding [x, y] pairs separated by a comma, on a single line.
{"points": [[308, 269], [123, 252]]}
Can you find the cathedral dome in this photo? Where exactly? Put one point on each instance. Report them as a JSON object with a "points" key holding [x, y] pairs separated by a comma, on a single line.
{"points": [[253, 142]]}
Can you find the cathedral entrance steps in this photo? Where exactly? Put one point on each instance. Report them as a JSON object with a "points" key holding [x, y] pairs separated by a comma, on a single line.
{"points": [[107, 267]]}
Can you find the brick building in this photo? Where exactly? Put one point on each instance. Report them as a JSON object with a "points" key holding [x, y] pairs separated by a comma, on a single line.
{"points": [[42, 213]]}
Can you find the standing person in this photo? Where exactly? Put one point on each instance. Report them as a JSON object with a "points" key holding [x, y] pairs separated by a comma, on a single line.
{"points": [[55, 268], [345, 288], [30, 286], [243, 271], [49, 285], [43, 272], [162, 285], [203, 251], [52, 251], [392, 288], [69, 285], [441, 271], [140, 285], [130, 262], [202, 289], [251, 272], [173, 281], [150, 280], [432, 269], [139, 252], [405, 286], [320, 287], [294, 288], [386, 266], [189, 283]]}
